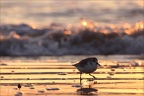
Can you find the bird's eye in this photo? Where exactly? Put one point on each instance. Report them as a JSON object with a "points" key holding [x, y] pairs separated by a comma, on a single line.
{"points": [[93, 60]]}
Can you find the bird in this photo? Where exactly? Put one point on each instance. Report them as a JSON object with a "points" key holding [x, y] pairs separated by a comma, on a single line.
{"points": [[19, 86], [87, 65]]}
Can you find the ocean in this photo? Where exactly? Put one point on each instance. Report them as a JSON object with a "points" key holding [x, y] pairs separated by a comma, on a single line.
{"points": [[69, 27], [44, 12]]}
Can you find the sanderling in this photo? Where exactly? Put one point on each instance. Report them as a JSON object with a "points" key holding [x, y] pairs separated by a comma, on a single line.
{"points": [[87, 65]]}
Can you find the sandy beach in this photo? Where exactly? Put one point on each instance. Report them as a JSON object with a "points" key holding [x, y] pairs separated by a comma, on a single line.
{"points": [[40, 79]]}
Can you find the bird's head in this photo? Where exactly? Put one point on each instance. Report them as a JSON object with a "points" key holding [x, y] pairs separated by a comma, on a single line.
{"points": [[93, 59]]}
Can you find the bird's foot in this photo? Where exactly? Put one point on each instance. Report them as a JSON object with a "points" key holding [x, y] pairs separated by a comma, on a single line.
{"points": [[95, 82]]}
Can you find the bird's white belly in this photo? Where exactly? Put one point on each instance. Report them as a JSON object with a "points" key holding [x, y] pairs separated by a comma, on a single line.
{"points": [[89, 68]]}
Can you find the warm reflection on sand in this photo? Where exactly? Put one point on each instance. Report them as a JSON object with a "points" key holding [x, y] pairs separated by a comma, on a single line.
{"points": [[47, 78]]}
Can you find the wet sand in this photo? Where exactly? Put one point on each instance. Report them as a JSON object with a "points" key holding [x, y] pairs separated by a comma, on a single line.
{"points": [[124, 81]]}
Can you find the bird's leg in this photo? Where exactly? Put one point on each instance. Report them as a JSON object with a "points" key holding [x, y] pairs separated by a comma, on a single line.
{"points": [[92, 76], [80, 79]]}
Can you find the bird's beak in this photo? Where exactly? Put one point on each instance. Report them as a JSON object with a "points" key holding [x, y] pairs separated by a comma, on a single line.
{"points": [[98, 64]]}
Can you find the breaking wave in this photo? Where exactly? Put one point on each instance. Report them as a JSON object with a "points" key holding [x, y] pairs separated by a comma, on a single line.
{"points": [[86, 38]]}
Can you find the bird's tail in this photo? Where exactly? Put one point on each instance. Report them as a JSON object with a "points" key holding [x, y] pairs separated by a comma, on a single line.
{"points": [[73, 64]]}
